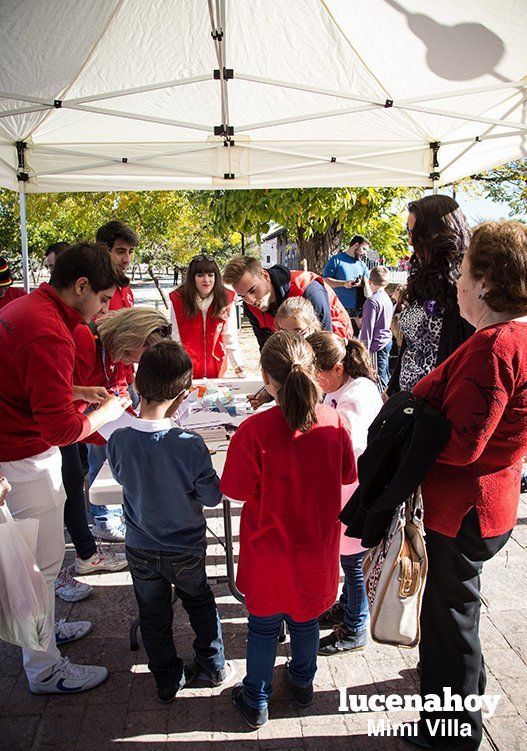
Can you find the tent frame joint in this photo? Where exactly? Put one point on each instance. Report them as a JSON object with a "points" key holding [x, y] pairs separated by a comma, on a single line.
{"points": [[228, 73], [57, 103], [435, 176], [388, 103], [434, 145], [228, 176], [223, 130]]}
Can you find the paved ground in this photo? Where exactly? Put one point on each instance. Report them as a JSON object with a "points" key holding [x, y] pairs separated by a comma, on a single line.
{"points": [[123, 715]]}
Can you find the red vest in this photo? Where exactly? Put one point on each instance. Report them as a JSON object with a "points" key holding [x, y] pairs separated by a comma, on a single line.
{"points": [[201, 338], [300, 280]]}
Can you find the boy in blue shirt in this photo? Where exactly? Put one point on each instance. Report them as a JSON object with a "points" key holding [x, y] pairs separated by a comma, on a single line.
{"points": [[167, 477]]}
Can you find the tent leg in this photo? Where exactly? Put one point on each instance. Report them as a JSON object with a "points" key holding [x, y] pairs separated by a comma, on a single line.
{"points": [[23, 236]]}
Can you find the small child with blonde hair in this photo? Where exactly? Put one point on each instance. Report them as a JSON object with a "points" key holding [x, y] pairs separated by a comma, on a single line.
{"points": [[297, 314]]}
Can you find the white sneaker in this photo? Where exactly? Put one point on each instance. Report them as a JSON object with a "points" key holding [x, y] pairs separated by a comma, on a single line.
{"points": [[67, 678], [69, 589], [66, 631], [102, 560], [109, 530]]}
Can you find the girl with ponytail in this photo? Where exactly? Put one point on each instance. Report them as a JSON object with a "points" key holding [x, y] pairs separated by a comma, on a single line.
{"points": [[346, 375], [287, 464]]}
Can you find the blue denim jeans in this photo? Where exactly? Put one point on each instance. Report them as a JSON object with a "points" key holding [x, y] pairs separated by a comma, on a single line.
{"points": [[383, 361], [153, 574], [353, 598], [96, 458], [261, 654]]}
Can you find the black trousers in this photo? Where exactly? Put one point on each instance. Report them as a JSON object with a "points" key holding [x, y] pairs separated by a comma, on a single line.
{"points": [[75, 514], [450, 649]]}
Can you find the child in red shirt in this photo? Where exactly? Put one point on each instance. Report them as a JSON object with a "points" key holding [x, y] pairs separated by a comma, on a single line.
{"points": [[287, 464]]}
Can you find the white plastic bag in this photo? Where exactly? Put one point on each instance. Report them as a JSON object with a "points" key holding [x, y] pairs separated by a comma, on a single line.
{"points": [[23, 589]]}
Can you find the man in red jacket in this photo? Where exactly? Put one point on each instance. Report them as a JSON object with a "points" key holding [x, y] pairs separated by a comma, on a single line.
{"points": [[121, 241], [8, 293], [37, 414]]}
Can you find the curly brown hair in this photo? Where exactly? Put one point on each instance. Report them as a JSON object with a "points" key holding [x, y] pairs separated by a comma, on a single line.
{"points": [[498, 254], [440, 238]]}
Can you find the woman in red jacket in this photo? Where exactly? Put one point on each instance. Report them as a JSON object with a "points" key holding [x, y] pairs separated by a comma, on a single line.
{"points": [[203, 319], [471, 494]]}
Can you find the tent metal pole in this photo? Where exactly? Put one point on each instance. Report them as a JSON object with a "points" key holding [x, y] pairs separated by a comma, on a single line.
{"points": [[311, 89], [23, 237], [137, 90], [460, 115], [303, 118], [136, 116]]}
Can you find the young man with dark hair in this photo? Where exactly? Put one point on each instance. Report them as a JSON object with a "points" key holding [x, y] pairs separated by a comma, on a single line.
{"points": [[164, 495], [8, 293], [53, 251], [347, 274], [37, 415], [121, 241]]}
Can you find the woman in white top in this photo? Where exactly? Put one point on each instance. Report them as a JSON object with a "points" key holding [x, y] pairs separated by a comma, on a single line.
{"points": [[203, 317], [346, 375]]}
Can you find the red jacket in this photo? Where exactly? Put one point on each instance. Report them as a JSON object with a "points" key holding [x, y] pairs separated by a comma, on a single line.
{"points": [[91, 369], [123, 297], [300, 280], [481, 389], [204, 343], [36, 377], [291, 485], [13, 293]]}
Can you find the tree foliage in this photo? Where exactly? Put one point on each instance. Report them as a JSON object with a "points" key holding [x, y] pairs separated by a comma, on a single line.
{"points": [[173, 225], [506, 184], [318, 219]]}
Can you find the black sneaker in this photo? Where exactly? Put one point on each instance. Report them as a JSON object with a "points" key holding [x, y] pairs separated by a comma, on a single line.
{"points": [[303, 696], [167, 694], [341, 639], [254, 718], [332, 617]]}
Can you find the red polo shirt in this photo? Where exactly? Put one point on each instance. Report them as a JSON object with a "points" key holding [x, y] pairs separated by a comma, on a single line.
{"points": [[291, 485], [13, 293], [36, 385], [482, 389]]}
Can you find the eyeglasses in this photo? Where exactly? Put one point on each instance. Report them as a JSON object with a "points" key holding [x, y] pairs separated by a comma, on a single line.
{"points": [[186, 392], [202, 257]]}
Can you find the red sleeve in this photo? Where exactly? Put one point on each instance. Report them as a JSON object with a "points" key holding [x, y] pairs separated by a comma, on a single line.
{"points": [[349, 465], [45, 369], [476, 394], [240, 479]]}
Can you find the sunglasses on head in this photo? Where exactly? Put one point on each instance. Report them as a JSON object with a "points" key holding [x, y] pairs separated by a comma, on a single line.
{"points": [[203, 257], [165, 331]]}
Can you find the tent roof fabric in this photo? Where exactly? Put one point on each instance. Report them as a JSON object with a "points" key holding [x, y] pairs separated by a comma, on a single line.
{"points": [[197, 94]]}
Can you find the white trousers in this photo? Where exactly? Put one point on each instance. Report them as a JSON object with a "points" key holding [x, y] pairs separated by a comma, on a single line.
{"points": [[37, 492]]}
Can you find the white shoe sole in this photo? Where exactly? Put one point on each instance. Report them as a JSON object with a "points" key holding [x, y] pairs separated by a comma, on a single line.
{"points": [[101, 568], [96, 681], [78, 636]]}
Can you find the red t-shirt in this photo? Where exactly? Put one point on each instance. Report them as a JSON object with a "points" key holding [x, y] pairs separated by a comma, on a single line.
{"points": [[290, 483], [13, 293], [123, 297], [482, 389]]}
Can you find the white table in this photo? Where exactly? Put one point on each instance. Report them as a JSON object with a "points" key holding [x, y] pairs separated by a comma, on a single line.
{"points": [[106, 491]]}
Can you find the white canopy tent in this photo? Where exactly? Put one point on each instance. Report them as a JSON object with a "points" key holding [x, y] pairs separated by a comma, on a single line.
{"points": [[205, 94]]}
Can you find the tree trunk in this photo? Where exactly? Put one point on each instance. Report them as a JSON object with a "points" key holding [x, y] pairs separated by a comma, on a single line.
{"points": [[319, 247], [158, 286]]}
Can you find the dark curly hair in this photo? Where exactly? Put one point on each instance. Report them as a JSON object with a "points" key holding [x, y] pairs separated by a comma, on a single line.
{"points": [[498, 254], [440, 238]]}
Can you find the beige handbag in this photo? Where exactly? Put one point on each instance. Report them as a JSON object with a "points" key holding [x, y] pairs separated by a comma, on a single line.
{"points": [[395, 577]]}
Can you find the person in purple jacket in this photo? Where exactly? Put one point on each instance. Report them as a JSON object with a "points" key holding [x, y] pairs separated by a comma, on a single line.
{"points": [[377, 316]]}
